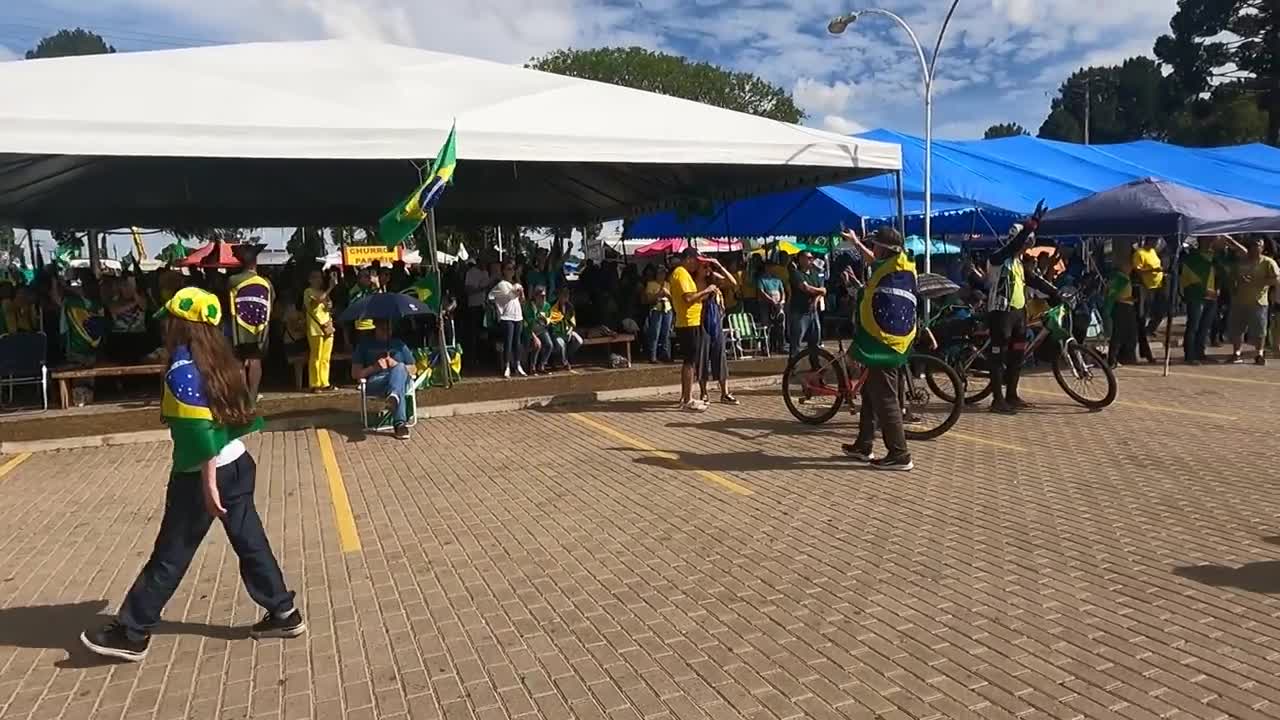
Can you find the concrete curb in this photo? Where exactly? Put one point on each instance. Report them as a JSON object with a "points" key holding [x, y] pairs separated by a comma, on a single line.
{"points": [[348, 420]]}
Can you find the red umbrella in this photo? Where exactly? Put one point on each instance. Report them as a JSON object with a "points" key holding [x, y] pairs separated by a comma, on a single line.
{"points": [[216, 254]]}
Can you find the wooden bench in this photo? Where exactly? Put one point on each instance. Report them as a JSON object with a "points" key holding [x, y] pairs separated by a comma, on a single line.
{"points": [[623, 339], [299, 365], [65, 375]]}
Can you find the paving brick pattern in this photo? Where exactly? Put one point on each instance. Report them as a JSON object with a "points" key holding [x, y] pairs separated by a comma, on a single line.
{"points": [[1114, 565]]}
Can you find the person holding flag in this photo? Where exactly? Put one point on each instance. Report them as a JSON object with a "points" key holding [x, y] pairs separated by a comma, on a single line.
{"points": [[207, 407]]}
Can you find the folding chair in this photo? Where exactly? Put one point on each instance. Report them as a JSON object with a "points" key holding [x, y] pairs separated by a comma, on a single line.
{"points": [[384, 419], [22, 362], [742, 330]]}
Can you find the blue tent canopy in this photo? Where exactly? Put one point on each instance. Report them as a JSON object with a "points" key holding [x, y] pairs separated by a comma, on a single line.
{"points": [[1158, 207], [982, 186]]}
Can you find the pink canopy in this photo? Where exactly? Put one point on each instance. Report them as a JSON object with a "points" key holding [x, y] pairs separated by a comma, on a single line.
{"points": [[677, 245]]}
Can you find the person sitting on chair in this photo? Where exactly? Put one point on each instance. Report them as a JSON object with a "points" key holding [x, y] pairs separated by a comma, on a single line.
{"points": [[387, 367]]}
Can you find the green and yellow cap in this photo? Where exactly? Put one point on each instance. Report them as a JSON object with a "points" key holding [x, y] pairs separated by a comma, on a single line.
{"points": [[194, 305]]}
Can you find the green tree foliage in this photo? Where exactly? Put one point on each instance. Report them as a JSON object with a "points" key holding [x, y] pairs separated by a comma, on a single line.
{"points": [[1004, 130], [1126, 102], [65, 43], [1227, 41], [676, 76]]}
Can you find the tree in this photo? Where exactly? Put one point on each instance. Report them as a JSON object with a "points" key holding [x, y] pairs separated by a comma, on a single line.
{"points": [[1235, 41], [1004, 130], [1228, 116], [65, 43], [1125, 102], [676, 76]]}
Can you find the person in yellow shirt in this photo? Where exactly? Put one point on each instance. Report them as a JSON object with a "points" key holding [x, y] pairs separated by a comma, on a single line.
{"points": [[686, 301], [318, 308], [656, 295], [1148, 274]]}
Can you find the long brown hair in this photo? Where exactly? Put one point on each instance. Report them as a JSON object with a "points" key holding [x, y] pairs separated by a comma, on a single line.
{"points": [[224, 385]]}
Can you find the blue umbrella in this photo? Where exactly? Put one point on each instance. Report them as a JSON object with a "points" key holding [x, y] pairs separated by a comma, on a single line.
{"points": [[383, 306]]}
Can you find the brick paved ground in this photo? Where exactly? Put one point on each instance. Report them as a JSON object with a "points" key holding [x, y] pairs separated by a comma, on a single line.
{"points": [[631, 562]]}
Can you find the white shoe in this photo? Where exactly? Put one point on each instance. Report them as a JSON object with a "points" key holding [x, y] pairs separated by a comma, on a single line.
{"points": [[506, 373], [520, 371], [694, 406]]}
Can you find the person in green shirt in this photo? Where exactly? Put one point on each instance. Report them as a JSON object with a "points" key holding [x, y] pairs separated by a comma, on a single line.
{"points": [[1198, 281], [537, 333], [1255, 276]]}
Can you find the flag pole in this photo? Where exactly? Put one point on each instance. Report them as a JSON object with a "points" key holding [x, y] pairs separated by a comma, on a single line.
{"points": [[435, 268]]}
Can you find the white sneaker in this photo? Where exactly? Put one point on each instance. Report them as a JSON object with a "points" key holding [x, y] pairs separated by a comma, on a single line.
{"points": [[506, 373], [520, 371], [694, 406]]}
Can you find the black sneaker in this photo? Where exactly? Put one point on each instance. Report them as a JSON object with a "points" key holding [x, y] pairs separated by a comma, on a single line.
{"points": [[1017, 403], [113, 641], [273, 627], [1003, 408], [1260, 360], [1236, 359], [857, 454], [894, 464], [402, 431]]}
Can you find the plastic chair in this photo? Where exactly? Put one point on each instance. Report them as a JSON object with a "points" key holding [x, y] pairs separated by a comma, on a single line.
{"points": [[384, 419], [742, 330], [23, 362]]}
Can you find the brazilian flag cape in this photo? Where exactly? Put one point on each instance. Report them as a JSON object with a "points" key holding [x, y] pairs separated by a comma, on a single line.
{"points": [[1198, 279], [85, 325], [887, 314], [251, 309], [185, 409]]}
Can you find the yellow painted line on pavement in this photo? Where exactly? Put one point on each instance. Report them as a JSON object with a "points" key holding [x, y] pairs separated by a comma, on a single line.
{"points": [[1157, 408], [13, 462], [638, 444], [348, 538], [1202, 376], [983, 441]]}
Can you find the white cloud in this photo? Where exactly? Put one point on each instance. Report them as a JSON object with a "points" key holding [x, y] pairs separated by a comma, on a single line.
{"points": [[6, 54], [842, 125]]}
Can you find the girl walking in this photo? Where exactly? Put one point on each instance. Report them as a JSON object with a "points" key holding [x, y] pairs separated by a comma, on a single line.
{"points": [[208, 409]]}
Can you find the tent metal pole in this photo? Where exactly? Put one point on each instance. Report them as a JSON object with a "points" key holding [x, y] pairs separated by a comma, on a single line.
{"points": [[902, 210], [435, 268], [1172, 281]]}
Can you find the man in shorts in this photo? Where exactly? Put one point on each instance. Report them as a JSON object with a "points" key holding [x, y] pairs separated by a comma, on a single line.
{"points": [[1256, 274], [686, 301]]}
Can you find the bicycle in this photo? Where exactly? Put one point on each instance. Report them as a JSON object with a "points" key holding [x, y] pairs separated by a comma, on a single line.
{"points": [[1076, 367], [819, 394]]}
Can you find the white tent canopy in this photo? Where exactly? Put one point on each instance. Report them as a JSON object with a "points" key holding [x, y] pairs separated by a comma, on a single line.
{"points": [[323, 132]]}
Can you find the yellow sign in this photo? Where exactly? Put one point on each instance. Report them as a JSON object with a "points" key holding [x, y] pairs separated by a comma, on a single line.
{"points": [[361, 255]]}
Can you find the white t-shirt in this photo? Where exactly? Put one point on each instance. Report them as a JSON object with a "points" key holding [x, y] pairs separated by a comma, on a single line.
{"points": [[230, 453], [507, 300], [477, 282]]}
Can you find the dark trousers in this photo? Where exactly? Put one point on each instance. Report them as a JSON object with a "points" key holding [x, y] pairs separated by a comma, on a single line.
{"points": [[1200, 317], [1125, 335], [184, 526], [880, 408], [1008, 351], [1143, 300]]}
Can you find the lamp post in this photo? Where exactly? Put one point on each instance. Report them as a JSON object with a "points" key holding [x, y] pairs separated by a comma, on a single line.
{"points": [[927, 66]]}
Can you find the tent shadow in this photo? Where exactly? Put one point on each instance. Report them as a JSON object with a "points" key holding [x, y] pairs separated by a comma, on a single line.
{"points": [[739, 461], [58, 627], [1255, 577]]}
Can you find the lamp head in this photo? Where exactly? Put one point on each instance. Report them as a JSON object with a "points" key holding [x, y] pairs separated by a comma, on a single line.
{"points": [[839, 24]]}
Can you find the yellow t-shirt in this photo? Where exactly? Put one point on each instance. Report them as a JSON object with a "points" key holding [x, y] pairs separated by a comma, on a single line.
{"points": [[1146, 262], [317, 311], [687, 314], [652, 291]]}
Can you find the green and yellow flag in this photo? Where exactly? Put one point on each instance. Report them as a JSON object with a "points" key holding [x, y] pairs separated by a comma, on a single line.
{"points": [[400, 222]]}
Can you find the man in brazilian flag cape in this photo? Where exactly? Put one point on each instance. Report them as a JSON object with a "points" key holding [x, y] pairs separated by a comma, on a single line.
{"points": [[1198, 280], [886, 329], [207, 409]]}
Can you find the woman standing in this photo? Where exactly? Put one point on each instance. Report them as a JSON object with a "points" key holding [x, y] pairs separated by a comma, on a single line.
{"points": [[507, 297], [207, 408], [714, 361], [319, 310], [657, 297]]}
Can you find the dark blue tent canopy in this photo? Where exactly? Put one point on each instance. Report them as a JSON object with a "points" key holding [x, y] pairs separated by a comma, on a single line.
{"points": [[1158, 207]]}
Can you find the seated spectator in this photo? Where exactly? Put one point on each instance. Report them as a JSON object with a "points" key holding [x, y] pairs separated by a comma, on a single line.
{"points": [[127, 342], [537, 332], [387, 367], [564, 324]]}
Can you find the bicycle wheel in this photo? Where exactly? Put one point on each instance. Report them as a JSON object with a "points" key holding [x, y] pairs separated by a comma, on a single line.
{"points": [[814, 396], [1084, 376], [926, 413], [972, 371]]}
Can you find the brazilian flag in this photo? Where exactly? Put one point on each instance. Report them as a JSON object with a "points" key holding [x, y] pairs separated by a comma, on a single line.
{"points": [[185, 409], [427, 290], [887, 314], [400, 222], [1198, 277]]}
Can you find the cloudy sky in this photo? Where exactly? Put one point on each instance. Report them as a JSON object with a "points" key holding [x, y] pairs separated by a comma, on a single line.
{"points": [[1001, 62]]}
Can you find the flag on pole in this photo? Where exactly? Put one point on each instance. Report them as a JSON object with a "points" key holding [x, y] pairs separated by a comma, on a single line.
{"points": [[427, 290], [400, 222]]}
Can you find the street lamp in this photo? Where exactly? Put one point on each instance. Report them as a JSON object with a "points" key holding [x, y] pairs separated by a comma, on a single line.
{"points": [[841, 23]]}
